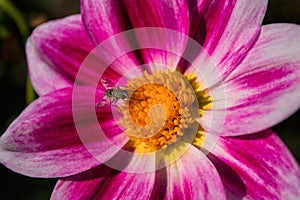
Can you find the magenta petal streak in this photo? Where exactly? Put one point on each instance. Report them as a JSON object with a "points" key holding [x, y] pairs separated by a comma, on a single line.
{"points": [[265, 88], [104, 19], [263, 163], [167, 14], [105, 183], [228, 30], [43, 141], [62, 45], [193, 176]]}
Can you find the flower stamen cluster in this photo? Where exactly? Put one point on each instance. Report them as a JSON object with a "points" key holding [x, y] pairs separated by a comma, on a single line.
{"points": [[162, 109]]}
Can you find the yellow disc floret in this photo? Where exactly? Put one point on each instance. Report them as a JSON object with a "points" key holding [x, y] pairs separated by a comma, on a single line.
{"points": [[162, 109]]}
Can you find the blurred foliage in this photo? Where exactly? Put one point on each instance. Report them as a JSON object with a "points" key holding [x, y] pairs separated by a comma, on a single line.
{"points": [[17, 19], [8, 8], [16, 15]]}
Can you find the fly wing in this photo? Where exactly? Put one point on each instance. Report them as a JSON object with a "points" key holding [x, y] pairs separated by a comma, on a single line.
{"points": [[102, 103], [107, 83]]}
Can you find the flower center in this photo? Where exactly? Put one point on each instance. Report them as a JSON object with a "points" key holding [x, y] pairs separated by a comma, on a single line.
{"points": [[162, 109]]}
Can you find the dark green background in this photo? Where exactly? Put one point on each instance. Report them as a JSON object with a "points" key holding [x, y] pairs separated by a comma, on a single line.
{"points": [[12, 85]]}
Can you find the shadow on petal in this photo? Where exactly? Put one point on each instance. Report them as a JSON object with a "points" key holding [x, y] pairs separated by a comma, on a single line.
{"points": [[233, 184], [253, 136], [160, 184]]}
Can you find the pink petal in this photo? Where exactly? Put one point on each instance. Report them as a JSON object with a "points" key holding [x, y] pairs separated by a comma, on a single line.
{"points": [[167, 14], [160, 48], [158, 13], [265, 88], [58, 52], [107, 18], [44, 76], [104, 19], [193, 176], [227, 30], [81, 186], [256, 166], [43, 140], [105, 183], [55, 51]]}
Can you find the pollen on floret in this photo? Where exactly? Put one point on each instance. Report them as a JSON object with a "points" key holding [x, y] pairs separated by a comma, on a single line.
{"points": [[161, 110]]}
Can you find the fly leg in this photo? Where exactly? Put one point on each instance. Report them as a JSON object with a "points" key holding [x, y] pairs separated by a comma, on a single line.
{"points": [[114, 103]]}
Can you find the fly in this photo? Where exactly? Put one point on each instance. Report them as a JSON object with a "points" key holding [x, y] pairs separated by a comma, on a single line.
{"points": [[112, 94]]}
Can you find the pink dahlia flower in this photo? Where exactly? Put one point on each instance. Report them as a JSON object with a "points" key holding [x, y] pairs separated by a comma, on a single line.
{"points": [[192, 122]]}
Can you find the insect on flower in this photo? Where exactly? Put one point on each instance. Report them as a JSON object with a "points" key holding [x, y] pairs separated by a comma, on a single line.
{"points": [[112, 94], [214, 142]]}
